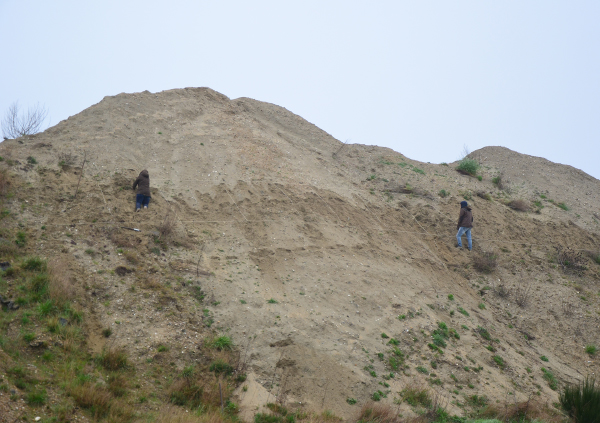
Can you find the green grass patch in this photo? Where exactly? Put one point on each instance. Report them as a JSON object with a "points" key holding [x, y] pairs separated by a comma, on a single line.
{"points": [[468, 166], [221, 343]]}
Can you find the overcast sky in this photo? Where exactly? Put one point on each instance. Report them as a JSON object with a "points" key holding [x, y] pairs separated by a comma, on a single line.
{"points": [[422, 77]]}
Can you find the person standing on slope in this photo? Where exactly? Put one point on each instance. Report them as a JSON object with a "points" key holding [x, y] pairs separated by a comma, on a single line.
{"points": [[465, 224], [142, 197]]}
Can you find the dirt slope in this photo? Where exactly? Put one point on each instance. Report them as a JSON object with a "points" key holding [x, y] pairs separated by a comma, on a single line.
{"points": [[312, 255]]}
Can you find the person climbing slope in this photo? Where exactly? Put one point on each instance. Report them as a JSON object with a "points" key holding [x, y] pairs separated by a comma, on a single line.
{"points": [[142, 197], [465, 224]]}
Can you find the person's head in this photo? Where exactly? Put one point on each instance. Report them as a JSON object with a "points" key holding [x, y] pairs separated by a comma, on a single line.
{"points": [[463, 204], [144, 173]]}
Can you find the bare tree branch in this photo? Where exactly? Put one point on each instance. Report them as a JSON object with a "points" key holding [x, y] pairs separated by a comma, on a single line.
{"points": [[15, 124]]}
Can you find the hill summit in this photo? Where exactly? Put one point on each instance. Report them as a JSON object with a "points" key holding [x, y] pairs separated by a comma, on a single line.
{"points": [[317, 275]]}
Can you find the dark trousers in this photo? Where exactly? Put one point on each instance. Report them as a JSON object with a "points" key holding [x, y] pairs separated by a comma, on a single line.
{"points": [[141, 200]]}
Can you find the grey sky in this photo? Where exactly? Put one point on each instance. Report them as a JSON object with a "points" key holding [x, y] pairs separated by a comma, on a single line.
{"points": [[421, 77]]}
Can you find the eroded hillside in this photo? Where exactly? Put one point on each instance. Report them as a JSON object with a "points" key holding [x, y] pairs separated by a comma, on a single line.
{"points": [[331, 267]]}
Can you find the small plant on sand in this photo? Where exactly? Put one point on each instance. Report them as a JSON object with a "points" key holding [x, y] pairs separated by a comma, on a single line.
{"points": [[221, 367], [443, 193], [499, 361], [484, 333], [591, 349], [552, 382], [20, 239], [498, 181], [378, 395], [221, 343], [562, 206]]}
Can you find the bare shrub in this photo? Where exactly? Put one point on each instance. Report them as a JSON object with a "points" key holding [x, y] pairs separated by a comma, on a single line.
{"points": [[67, 159], [166, 228], [522, 294], [124, 240], [16, 124], [519, 205], [485, 262], [571, 261], [502, 290], [60, 288], [4, 182]]}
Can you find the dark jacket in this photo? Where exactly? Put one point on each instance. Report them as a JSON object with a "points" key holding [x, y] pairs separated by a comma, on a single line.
{"points": [[143, 183], [465, 218]]}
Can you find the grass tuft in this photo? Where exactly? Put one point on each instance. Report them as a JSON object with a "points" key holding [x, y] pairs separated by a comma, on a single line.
{"points": [[221, 343], [582, 401], [113, 359]]}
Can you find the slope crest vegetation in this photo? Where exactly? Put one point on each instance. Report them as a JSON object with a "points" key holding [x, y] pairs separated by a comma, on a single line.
{"points": [[280, 275]]}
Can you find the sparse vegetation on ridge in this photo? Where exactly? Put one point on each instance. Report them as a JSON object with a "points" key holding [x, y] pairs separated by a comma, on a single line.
{"points": [[276, 278]]}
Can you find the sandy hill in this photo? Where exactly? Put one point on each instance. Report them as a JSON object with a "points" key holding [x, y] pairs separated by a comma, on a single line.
{"points": [[330, 266]]}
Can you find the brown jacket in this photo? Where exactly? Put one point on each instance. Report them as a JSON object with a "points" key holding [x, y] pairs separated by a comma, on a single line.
{"points": [[465, 218], [143, 183]]}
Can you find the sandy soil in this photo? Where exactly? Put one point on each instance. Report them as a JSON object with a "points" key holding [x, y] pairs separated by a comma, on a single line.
{"points": [[308, 251]]}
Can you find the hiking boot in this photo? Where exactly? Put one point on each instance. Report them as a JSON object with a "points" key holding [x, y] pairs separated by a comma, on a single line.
{"points": [[458, 246], [137, 210], [145, 207]]}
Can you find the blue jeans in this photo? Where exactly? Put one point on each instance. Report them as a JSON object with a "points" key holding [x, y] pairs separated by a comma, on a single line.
{"points": [[141, 200], [462, 230]]}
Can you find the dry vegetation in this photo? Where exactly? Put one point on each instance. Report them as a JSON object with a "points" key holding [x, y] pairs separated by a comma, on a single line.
{"points": [[519, 205], [485, 262]]}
